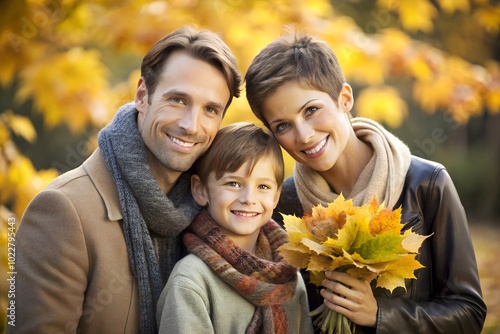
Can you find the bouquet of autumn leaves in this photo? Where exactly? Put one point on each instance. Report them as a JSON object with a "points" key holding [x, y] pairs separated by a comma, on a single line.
{"points": [[364, 241]]}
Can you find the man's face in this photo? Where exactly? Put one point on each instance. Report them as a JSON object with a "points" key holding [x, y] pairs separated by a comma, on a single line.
{"points": [[179, 121]]}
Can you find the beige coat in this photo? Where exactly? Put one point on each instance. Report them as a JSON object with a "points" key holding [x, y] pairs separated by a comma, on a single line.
{"points": [[73, 271]]}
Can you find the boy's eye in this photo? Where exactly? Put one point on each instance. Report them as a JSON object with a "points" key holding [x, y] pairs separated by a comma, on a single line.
{"points": [[233, 184]]}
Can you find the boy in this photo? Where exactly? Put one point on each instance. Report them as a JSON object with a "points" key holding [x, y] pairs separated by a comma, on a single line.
{"points": [[234, 281]]}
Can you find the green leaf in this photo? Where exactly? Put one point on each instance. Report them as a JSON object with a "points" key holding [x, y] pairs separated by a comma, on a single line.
{"points": [[381, 248]]}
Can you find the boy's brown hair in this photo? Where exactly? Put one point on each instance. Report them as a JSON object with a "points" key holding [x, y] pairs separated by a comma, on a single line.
{"points": [[198, 43], [294, 56], [237, 144]]}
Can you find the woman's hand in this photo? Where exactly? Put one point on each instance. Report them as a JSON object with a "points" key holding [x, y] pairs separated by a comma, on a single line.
{"points": [[351, 297]]}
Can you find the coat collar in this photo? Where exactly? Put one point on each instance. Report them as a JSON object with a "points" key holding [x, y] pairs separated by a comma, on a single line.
{"points": [[98, 172]]}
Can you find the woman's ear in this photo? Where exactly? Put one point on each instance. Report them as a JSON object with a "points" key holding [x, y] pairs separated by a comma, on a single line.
{"points": [[198, 190], [346, 99]]}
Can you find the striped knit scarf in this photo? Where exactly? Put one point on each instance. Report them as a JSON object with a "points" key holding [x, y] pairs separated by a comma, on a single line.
{"points": [[264, 280]]}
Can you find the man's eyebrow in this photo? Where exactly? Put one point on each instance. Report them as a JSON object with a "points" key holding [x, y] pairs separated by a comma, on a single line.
{"points": [[180, 93], [174, 92], [216, 105]]}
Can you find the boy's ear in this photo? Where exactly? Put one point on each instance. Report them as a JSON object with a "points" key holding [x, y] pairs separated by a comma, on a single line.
{"points": [[277, 197], [198, 190], [346, 99]]}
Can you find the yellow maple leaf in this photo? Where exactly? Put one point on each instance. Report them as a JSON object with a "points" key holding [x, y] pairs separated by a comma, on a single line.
{"points": [[493, 100], [326, 263], [390, 281], [417, 15], [71, 87], [489, 18], [396, 272], [357, 223], [317, 277], [294, 225], [421, 68], [339, 205], [362, 273], [434, 94], [450, 6], [386, 221], [314, 246], [295, 254], [347, 235], [363, 65], [382, 104], [20, 125], [335, 245], [412, 241], [322, 226]]}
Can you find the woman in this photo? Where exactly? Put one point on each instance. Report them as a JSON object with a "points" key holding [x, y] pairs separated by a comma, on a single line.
{"points": [[296, 87]]}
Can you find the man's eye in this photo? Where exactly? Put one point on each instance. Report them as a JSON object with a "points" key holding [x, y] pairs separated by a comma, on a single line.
{"points": [[177, 100], [211, 110]]}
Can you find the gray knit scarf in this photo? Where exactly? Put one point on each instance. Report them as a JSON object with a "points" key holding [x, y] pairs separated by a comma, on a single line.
{"points": [[152, 221]]}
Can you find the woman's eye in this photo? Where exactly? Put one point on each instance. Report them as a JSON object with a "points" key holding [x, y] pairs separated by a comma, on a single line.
{"points": [[311, 110], [281, 127]]}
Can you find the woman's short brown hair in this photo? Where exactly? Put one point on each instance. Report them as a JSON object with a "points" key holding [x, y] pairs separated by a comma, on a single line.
{"points": [[198, 43], [294, 56], [236, 144]]}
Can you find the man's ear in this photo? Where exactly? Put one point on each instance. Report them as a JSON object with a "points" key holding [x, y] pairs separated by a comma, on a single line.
{"points": [[346, 99], [141, 96], [198, 190]]}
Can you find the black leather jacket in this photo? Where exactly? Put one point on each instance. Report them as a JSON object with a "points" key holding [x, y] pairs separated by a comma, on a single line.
{"points": [[446, 296]]}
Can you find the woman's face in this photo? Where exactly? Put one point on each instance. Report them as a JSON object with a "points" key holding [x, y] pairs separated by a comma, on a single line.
{"points": [[308, 124]]}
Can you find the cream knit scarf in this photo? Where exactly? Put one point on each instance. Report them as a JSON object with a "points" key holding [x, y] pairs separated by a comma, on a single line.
{"points": [[383, 177]]}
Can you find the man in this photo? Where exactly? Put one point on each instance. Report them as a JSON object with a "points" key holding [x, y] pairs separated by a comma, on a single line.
{"points": [[96, 247]]}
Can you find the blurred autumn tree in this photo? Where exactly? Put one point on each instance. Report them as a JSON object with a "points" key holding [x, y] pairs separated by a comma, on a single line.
{"points": [[67, 65]]}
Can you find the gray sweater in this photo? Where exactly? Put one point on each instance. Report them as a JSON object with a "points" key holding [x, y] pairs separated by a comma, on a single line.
{"points": [[196, 300]]}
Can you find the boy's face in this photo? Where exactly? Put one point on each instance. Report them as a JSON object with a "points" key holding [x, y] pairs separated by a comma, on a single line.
{"points": [[239, 203], [179, 121], [308, 124]]}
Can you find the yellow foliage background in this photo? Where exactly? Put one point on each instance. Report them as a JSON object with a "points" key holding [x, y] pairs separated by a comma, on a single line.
{"points": [[59, 56]]}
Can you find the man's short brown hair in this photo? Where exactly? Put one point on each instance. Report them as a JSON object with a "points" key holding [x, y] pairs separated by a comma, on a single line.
{"points": [[198, 43]]}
